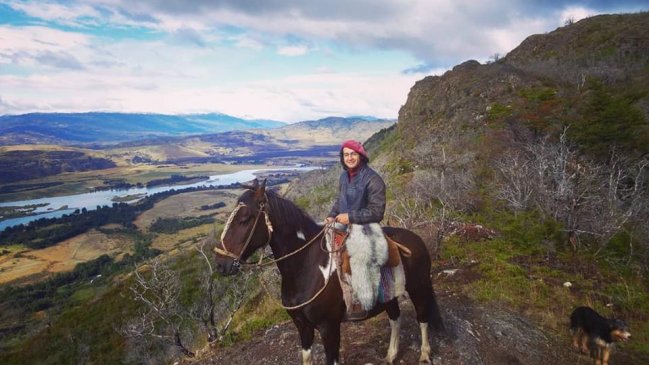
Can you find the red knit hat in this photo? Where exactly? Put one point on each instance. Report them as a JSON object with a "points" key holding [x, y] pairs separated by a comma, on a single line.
{"points": [[355, 146]]}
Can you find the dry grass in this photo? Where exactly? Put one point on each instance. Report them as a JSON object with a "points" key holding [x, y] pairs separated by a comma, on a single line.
{"points": [[187, 205], [182, 239], [23, 264]]}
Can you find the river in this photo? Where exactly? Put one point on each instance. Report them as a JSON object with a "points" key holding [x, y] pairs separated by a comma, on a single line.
{"points": [[56, 206]]}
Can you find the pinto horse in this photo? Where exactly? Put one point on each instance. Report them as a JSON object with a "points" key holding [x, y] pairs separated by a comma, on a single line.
{"points": [[313, 300]]}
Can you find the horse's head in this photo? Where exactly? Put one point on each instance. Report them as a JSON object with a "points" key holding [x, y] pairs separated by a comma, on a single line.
{"points": [[248, 228]]}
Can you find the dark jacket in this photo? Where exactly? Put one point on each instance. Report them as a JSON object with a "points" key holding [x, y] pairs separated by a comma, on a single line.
{"points": [[363, 198]]}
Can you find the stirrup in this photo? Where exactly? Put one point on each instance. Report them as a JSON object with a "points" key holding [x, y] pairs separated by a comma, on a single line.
{"points": [[356, 313]]}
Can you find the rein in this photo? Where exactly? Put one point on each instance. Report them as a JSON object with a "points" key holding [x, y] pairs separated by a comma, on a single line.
{"points": [[237, 258]]}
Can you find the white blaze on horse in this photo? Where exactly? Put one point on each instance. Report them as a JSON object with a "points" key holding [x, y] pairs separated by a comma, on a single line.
{"points": [[313, 300]]}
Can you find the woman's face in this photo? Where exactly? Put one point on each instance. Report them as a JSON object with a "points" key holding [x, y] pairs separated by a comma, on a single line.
{"points": [[351, 158]]}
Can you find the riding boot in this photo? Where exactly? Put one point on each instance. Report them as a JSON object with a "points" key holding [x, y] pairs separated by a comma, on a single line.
{"points": [[356, 313]]}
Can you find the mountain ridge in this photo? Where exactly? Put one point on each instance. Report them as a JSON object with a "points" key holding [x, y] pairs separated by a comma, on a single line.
{"points": [[110, 127]]}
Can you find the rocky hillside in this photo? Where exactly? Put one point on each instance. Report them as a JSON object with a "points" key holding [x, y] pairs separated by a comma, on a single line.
{"points": [[610, 47], [546, 83]]}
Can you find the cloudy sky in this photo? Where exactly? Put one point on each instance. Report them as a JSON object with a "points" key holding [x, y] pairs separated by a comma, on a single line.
{"points": [[287, 60]]}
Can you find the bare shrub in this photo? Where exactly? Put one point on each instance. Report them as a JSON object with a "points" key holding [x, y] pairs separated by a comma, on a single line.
{"points": [[516, 185], [165, 328], [439, 187], [222, 297], [590, 199], [161, 321]]}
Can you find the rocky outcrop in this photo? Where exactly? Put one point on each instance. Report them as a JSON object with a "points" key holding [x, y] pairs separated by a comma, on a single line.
{"points": [[474, 107], [609, 47]]}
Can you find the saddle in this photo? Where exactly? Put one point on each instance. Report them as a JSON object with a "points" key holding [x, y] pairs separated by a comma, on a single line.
{"points": [[394, 250]]}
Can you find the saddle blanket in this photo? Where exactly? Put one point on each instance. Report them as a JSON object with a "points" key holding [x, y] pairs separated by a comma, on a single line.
{"points": [[369, 265]]}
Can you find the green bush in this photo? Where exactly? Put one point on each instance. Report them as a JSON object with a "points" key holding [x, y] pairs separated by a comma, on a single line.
{"points": [[611, 119]]}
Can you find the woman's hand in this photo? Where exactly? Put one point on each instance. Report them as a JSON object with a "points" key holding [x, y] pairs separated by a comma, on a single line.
{"points": [[342, 218]]}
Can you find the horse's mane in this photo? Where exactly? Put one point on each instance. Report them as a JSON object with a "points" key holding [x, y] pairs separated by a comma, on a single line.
{"points": [[284, 213]]}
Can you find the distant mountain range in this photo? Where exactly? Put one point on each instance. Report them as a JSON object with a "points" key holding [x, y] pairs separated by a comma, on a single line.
{"points": [[33, 146], [107, 128], [308, 137]]}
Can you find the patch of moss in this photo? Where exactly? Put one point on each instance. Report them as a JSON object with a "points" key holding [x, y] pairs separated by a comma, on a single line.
{"points": [[497, 112], [84, 294], [538, 94]]}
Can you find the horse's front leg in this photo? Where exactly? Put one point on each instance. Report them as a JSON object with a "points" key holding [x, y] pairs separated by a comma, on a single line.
{"points": [[330, 335], [306, 333]]}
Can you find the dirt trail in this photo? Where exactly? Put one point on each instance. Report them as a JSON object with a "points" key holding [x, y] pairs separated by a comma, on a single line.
{"points": [[475, 336]]}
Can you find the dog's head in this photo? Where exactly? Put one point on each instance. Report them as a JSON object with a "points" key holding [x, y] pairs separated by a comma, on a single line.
{"points": [[619, 330]]}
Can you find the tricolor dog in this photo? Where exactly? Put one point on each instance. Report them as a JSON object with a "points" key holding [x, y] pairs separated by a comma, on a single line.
{"points": [[596, 334]]}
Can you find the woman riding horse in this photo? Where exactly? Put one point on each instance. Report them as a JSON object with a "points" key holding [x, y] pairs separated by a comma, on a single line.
{"points": [[310, 289], [361, 200]]}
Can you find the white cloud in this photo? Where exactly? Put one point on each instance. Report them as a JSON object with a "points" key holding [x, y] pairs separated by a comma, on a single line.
{"points": [[38, 38], [290, 99], [53, 11], [292, 51], [196, 56], [244, 41], [575, 14]]}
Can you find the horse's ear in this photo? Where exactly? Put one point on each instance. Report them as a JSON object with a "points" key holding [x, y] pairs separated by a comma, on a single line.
{"points": [[255, 184], [260, 190]]}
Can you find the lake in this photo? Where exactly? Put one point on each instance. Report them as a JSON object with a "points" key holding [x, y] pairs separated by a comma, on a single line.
{"points": [[54, 207]]}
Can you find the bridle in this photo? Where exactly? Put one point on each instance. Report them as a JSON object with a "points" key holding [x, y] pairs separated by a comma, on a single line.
{"points": [[237, 258], [238, 264]]}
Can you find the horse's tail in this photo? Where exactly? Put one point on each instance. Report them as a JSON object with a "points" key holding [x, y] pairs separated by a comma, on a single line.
{"points": [[434, 316]]}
